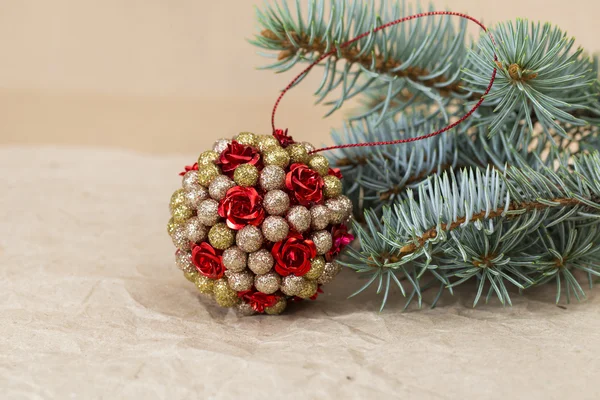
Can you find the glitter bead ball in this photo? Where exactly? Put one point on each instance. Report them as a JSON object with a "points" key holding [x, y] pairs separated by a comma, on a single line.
{"points": [[299, 218], [235, 259], [240, 281], [275, 229], [208, 212], [253, 233], [220, 236], [208, 157], [219, 186], [272, 177], [246, 175], [267, 283], [276, 202], [322, 240], [260, 262], [249, 239]]}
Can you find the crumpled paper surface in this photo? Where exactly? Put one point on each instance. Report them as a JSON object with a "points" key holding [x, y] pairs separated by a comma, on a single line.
{"points": [[92, 307]]}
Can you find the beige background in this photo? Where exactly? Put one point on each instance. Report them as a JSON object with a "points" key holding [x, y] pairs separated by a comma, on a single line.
{"points": [[91, 305], [171, 75]]}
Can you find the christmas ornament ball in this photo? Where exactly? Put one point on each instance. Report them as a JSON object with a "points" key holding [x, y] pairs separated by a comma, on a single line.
{"points": [[257, 222]]}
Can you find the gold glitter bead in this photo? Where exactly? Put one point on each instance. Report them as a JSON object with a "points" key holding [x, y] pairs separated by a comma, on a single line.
{"points": [[246, 175], [317, 266], [234, 259], [245, 310], [278, 308], [183, 259], [329, 272], [240, 281], [194, 196], [205, 285], [208, 157], [260, 262], [180, 239], [249, 239], [299, 218], [322, 241], [276, 156], [220, 236], [195, 231], [208, 212], [246, 138], [190, 180], [275, 229], [224, 295], [333, 186], [298, 153], [319, 163], [319, 216], [191, 276], [182, 213], [276, 202], [346, 204], [272, 177], [177, 199], [219, 186], [291, 285], [206, 174], [267, 283], [309, 288], [171, 225], [265, 142]]}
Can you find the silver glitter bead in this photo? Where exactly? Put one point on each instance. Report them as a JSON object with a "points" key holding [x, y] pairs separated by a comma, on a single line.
{"points": [[195, 231], [195, 196], [272, 177], [190, 180], [319, 215], [249, 239], [234, 259], [245, 310], [291, 285], [276, 202], [346, 205], [221, 145], [275, 229], [309, 147], [180, 239], [299, 218], [219, 186], [260, 262], [323, 241], [240, 281], [337, 210], [330, 271], [208, 212], [183, 259], [267, 283]]}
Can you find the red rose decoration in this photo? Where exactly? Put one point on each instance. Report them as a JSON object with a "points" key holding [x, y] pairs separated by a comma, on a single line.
{"points": [[341, 239], [305, 184], [336, 172], [242, 206], [208, 261], [237, 154], [284, 139], [259, 301], [188, 168], [293, 254]]}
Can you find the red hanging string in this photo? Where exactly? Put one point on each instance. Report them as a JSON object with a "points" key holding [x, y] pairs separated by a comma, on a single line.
{"points": [[279, 132]]}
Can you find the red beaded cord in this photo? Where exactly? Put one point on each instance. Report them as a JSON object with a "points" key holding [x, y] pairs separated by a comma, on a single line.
{"points": [[379, 28]]}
